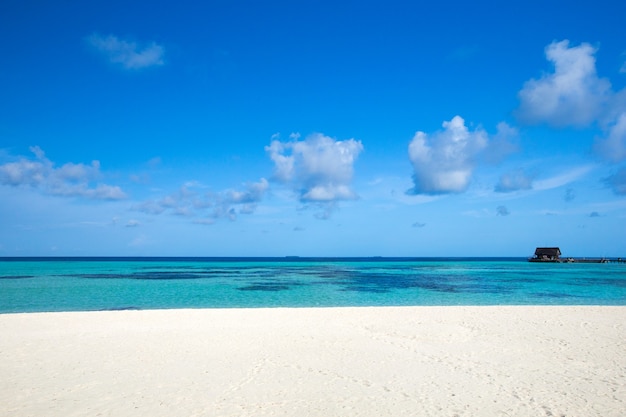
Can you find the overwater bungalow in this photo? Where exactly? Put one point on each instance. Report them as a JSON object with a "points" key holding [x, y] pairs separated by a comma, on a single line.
{"points": [[547, 255]]}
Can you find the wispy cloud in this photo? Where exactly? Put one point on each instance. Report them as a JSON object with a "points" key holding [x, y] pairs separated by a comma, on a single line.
{"points": [[190, 201], [319, 168], [68, 180], [127, 54], [443, 162], [562, 179], [517, 182]]}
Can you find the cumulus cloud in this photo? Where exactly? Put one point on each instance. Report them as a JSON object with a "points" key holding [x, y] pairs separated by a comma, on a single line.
{"points": [[514, 181], [68, 180], [617, 182], [318, 168], [572, 95], [189, 201], [128, 54], [444, 161]]}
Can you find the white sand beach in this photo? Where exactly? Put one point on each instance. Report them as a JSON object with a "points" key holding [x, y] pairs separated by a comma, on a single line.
{"points": [[405, 361]]}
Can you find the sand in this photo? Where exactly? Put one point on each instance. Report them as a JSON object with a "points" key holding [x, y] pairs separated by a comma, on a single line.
{"points": [[408, 361]]}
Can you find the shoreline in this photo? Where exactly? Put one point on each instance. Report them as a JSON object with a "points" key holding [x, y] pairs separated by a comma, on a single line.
{"points": [[369, 361]]}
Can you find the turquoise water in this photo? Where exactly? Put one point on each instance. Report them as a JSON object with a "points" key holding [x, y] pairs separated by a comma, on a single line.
{"points": [[66, 284]]}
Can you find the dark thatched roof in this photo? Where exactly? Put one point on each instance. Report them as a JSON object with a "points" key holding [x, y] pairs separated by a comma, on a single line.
{"points": [[549, 252]]}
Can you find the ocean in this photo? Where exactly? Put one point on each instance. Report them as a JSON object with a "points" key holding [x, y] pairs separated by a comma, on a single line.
{"points": [[88, 284]]}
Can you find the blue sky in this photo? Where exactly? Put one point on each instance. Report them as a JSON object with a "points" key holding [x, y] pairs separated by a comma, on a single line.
{"points": [[312, 128]]}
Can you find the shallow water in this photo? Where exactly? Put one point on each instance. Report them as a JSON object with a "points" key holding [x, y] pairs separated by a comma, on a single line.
{"points": [[81, 284]]}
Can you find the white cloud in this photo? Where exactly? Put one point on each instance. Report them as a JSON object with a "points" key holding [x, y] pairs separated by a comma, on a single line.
{"points": [[188, 201], [126, 53], [514, 181], [613, 147], [253, 193], [23, 172], [100, 192], [572, 95], [69, 180], [283, 165], [562, 179], [328, 192], [318, 168], [444, 161], [502, 144], [246, 200]]}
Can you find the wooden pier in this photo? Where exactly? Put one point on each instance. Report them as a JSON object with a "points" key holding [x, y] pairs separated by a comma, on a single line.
{"points": [[553, 255]]}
